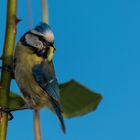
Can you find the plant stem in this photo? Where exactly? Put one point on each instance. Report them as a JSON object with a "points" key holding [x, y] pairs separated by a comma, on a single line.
{"points": [[37, 125], [45, 15], [7, 59], [29, 11], [36, 112]]}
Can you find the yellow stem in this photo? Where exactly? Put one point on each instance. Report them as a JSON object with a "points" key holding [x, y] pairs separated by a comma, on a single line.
{"points": [[29, 11], [37, 125], [45, 17], [36, 112]]}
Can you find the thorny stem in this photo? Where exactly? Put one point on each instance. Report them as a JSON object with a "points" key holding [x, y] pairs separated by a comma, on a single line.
{"points": [[7, 59]]}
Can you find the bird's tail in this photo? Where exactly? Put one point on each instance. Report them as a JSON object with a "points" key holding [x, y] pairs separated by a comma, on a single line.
{"points": [[58, 112]]}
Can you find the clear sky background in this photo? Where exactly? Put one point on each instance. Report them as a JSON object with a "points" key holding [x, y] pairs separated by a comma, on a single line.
{"points": [[98, 44]]}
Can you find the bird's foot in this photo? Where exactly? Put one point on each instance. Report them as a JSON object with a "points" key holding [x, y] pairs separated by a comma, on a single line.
{"points": [[9, 69], [6, 110]]}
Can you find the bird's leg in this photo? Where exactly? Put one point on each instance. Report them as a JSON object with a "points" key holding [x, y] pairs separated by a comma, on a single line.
{"points": [[18, 109], [8, 111], [10, 69]]}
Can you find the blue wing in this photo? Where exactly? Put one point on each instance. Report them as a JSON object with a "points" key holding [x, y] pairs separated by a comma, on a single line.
{"points": [[45, 76]]}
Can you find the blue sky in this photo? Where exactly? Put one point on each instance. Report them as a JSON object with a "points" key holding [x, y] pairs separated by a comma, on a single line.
{"points": [[98, 44]]}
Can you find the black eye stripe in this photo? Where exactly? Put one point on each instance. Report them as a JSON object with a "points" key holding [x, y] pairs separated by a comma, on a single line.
{"points": [[46, 43], [37, 44]]}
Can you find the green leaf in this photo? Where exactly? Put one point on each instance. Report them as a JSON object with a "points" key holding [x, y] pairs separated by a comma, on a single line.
{"points": [[77, 100], [15, 101]]}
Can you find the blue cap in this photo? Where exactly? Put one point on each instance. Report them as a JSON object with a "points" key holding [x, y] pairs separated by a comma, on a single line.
{"points": [[44, 30]]}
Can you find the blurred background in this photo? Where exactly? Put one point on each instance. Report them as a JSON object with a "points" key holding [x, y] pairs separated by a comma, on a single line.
{"points": [[98, 44]]}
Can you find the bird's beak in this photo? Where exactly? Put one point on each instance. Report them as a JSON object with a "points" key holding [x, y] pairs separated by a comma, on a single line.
{"points": [[50, 53]]}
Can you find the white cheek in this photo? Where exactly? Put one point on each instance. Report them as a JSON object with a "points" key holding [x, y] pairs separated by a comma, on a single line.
{"points": [[49, 36]]}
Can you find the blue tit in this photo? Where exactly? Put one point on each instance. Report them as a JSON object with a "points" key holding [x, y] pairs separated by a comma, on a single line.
{"points": [[34, 70]]}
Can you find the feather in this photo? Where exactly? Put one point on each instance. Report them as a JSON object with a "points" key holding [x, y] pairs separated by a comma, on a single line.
{"points": [[45, 77], [58, 112]]}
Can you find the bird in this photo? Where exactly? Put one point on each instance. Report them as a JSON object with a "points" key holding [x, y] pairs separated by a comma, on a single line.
{"points": [[34, 70]]}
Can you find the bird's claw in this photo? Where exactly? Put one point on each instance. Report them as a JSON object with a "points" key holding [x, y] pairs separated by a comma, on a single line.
{"points": [[7, 110], [9, 69], [6, 68]]}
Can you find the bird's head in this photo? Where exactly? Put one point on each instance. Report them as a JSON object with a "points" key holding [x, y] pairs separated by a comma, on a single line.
{"points": [[44, 31], [41, 40]]}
